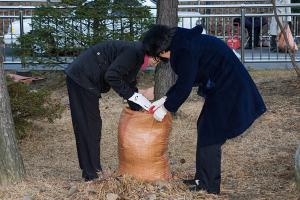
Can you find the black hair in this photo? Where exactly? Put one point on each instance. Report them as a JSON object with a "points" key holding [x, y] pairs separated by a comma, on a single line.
{"points": [[158, 39]]}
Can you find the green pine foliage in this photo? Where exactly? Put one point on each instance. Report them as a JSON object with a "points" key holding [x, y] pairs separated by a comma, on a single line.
{"points": [[130, 19], [70, 27], [29, 104]]}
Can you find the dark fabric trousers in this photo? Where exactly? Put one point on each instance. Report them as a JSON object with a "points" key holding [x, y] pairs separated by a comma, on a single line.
{"points": [[256, 36], [208, 166], [87, 126]]}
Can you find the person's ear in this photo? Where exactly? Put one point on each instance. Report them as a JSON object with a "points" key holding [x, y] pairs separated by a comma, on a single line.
{"points": [[165, 54], [162, 52]]}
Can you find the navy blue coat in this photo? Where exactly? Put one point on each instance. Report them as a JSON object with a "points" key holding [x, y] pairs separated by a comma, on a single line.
{"points": [[232, 101]]}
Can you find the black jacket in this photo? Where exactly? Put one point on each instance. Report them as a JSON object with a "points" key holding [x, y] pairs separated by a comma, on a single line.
{"points": [[112, 64]]}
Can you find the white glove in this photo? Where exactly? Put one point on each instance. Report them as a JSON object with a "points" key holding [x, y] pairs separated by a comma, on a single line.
{"points": [[156, 104], [160, 113], [140, 100]]}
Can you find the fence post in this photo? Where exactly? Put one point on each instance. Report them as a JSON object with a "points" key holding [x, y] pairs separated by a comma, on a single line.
{"points": [[21, 34], [21, 22], [1, 54], [242, 33]]}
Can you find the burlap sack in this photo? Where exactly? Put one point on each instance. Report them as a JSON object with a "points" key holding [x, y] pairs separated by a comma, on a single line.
{"points": [[143, 144]]}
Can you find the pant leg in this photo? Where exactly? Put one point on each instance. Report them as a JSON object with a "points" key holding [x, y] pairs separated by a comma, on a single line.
{"points": [[249, 43], [87, 124], [256, 36], [208, 166], [273, 43]]}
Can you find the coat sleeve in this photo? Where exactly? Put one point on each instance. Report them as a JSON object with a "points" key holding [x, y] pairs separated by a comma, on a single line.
{"points": [[119, 68], [186, 71]]}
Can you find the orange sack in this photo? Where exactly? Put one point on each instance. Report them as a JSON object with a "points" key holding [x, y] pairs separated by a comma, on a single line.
{"points": [[143, 145]]}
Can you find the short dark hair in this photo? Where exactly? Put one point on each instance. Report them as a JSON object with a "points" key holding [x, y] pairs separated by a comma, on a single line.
{"points": [[158, 39]]}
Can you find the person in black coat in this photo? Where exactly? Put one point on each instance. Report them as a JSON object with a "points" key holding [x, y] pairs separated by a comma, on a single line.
{"points": [[232, 101], [112, 64]]}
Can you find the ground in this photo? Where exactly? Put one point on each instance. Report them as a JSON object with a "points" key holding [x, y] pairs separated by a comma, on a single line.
{"points": [[257, 165]]}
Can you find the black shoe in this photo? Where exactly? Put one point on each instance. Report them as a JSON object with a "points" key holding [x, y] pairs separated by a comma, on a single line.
{"points": [[99, 170], [191, 182], [248, 46], [275, 50], [194, 184], [273, 44], [197, 188], [89, 177]]}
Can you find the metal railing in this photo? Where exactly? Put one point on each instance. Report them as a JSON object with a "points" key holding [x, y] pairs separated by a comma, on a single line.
{"points": [[221, 24], [216, 24]]}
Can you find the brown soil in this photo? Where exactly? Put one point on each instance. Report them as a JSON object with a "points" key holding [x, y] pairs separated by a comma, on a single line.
{"points": [[257, 165]]}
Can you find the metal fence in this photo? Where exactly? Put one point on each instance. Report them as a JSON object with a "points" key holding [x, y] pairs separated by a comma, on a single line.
{"points": [[222, 23]]}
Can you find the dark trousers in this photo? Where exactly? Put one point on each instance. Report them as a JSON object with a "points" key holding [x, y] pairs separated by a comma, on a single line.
{"points": [[87, 126], [208, 165], [256, 36]]}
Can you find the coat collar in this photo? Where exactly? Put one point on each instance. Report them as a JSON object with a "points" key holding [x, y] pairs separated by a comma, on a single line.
{"points": [[182, 36], [182, 41]]}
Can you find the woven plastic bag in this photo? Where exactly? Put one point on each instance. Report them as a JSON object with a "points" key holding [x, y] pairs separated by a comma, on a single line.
{"points": [[143, 144]]}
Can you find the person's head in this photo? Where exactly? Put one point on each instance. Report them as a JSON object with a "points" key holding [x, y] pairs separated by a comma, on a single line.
{"points": [[157, 41]]}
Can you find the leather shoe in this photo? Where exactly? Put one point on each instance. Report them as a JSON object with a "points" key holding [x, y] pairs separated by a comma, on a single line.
{"points": [[191, 182]]}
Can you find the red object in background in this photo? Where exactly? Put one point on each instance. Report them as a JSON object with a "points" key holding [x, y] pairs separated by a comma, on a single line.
{"points": [[234, 41]]}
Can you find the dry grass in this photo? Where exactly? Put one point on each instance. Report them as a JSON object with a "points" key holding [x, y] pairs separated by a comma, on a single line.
{"points": [[258, 165]]}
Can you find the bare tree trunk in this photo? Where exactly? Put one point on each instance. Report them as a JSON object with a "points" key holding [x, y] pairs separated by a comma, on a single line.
{"points": [[164, 75], [11, 163], [297, 167], [291, 53]]}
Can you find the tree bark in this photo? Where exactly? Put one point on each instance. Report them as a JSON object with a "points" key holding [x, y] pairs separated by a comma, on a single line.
{"points": [[297, 167], [11, 163], [164, 75]]}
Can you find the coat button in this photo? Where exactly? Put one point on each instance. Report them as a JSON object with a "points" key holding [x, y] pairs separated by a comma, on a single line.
{"points": [[98, 53]]}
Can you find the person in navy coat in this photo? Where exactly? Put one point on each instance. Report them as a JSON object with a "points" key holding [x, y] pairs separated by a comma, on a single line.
{"points": [[232, 101]]}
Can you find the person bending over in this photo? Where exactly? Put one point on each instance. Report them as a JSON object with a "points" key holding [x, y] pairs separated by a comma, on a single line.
{"points": [[232, 100], [111, 64]]}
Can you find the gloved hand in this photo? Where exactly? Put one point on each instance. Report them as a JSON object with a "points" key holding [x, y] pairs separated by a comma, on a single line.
{"points": [[156, 104], [160, 113], [140, 100]]}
